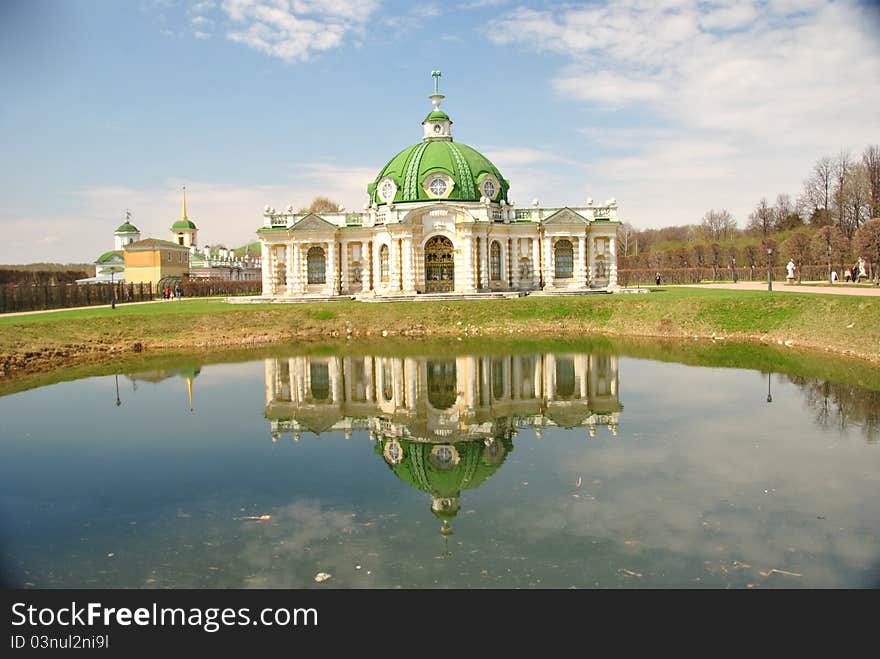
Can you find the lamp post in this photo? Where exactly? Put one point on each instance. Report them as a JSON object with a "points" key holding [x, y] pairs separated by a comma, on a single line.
{"points": [[112, 288], [118, 402], [769, 397], [830, 278], [735, 275], [769, 271]]}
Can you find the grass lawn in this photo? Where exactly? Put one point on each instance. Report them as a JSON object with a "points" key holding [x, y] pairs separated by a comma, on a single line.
{"points": [[840, 323]]}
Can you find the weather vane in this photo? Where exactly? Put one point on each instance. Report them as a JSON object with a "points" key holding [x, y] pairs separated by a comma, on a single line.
{"points": [[436, 75]]}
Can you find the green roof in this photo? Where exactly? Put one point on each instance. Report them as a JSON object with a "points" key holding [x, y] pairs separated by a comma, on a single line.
{"points": [[127, 227], [464, 164], [183, 223], [250, 248], [437, 115], [106, 257]]}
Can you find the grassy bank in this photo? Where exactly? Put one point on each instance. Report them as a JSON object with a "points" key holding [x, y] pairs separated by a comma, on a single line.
{"points": [[839, 324]]}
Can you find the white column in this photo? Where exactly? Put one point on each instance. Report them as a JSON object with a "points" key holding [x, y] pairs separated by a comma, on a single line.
{"points": [[289, 273], [335, 381], [409, 275], [467, 253], [397, 382], [270, 368], [513, 262], [484, 262], [343, 266], [370, 370], [516, 381], [330, 274], [393, 265], [294, 285], [377, 281], [548, 261], [536, 257], [410, 373], [538, 377], [612, 263], [578, 273], [266, 259]]}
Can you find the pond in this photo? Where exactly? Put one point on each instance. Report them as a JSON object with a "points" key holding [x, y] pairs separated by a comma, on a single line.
{"points": [[573, 466]]}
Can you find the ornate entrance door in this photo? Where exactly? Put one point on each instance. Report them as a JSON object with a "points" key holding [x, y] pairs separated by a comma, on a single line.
{"points": [[439, 265]]}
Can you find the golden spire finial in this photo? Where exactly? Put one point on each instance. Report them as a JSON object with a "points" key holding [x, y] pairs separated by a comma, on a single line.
{"points": [[184, 217]]}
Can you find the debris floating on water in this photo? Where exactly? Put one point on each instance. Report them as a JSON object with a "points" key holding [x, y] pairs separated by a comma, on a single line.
{"points": [[257, 518], [773, 570], [322, 576]]}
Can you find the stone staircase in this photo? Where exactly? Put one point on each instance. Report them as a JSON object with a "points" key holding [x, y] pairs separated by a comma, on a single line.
{"points": [[428, 297], [258, 299], [439, 297]]}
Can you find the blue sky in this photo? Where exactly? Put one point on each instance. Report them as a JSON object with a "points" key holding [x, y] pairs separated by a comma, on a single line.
{"points": [[672, 107]]}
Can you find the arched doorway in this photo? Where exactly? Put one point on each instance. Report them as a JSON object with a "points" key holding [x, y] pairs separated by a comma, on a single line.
{"points": [[439, 265]]}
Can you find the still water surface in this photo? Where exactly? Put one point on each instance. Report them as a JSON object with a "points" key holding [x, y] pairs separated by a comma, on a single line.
{"points": [[536, 469]]}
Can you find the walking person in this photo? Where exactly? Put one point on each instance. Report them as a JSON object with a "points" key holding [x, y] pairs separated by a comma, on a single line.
{"points": [[657, 278]]}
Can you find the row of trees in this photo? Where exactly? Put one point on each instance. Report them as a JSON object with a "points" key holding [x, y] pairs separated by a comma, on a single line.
{"points": [[829, 223], [51, 274]]}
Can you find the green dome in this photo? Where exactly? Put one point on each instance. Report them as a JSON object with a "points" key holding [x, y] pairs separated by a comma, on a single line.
{"points": [[465, 165], [476, 464], [183, 224], [437, 115], [127, 227]]}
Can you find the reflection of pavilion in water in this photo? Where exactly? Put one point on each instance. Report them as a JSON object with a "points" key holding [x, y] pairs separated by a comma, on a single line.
{"points": [[442, 425], [441, 400]]}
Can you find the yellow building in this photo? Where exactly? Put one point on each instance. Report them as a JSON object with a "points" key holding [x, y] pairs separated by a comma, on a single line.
{"points": [[155, 261]]}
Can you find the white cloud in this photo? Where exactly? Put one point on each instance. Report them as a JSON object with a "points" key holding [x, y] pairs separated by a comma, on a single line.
{"points": [[295, 30], [517, 155], [741, 97], [226, 213], [201, 35]]}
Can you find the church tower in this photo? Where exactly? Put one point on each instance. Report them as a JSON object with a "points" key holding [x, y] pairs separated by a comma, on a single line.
{"points": [[125, 234], [184, 231]]}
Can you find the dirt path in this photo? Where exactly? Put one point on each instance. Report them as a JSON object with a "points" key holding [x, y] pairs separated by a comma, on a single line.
{"points": [[863, 289]]}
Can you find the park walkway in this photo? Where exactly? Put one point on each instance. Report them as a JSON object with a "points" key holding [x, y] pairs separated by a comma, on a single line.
{"points": [[119, 305], [820, 287]]}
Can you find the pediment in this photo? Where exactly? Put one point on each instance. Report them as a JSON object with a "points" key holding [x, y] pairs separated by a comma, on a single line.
{"points": [[312, 222], [566, 216]]}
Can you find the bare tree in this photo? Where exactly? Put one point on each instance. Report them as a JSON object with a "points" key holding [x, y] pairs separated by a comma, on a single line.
{"points": [[797, 248], [322, 205], [751, 252], [718, 225], [699, 255], [841, 174], [867, 244], [830, 244], [856, 198], [715, 256], [871, 161], [784, 215], [761, 219], [818, 187], [626, 238]]}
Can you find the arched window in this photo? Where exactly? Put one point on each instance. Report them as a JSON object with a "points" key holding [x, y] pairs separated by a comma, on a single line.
{"points": [[564, 259], [383, 263], [495, 261], [316, 265]]}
